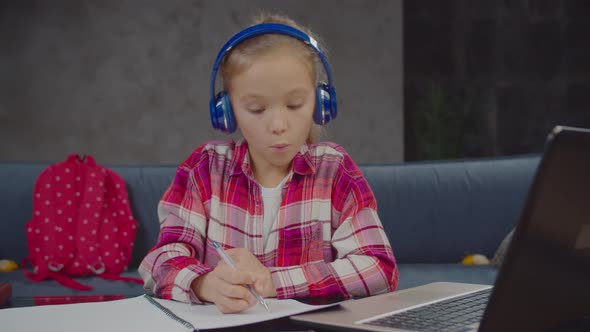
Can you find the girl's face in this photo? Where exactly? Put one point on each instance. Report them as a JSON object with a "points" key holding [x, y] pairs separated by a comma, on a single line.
{"points": [[273, 102]]}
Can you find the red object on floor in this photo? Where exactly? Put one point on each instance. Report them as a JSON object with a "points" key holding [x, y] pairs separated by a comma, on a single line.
{"points": [[67, 299], [5, 293]]}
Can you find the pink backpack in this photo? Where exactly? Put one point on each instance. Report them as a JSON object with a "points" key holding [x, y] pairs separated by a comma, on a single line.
{"points": [[82, 224]]}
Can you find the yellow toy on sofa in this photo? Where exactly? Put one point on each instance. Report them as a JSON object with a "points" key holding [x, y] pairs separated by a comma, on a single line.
{"points": [[475, 259], [7, 265]]}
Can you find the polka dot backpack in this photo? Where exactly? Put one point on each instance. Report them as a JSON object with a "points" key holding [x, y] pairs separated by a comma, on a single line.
{"points": [[82, 224]]}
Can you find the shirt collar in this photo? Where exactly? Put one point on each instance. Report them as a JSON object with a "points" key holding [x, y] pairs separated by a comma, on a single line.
{"points": [[302, 163]]}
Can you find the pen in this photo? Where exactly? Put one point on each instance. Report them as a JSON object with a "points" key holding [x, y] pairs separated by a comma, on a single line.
{"points": [[231, 263]]}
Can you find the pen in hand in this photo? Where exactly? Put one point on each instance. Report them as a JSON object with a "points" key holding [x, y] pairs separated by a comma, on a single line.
{"points": [[229, 261]]}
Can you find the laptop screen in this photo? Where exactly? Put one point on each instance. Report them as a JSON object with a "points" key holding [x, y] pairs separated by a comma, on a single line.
{"points": [[544, 281]]}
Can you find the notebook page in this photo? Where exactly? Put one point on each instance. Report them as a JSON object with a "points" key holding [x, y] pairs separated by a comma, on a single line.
{"points": [[204, 317], [133, 314]]}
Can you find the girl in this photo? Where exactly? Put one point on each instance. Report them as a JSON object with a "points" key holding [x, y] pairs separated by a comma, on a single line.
{"points": [[297, 216]]}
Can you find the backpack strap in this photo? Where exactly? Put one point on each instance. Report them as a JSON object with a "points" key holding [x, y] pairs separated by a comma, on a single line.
{"points": [[59, 277], [66, 196], [108, 276], [54, 213], [43, 240], [42, 225], [33, 276], [67, 281], [90, 215]]}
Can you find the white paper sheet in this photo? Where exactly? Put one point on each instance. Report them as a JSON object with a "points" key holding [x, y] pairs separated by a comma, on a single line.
{"points": [[209, 317], [138, 314]]}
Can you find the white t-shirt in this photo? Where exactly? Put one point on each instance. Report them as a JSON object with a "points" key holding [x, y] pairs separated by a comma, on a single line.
{"points": [[271, 199]]}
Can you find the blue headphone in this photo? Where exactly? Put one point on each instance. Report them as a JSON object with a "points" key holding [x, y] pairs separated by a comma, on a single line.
{"points": [[222, 116]]}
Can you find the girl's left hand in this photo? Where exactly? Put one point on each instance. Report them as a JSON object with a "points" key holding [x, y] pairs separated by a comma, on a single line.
{"points": [[247, 262]]}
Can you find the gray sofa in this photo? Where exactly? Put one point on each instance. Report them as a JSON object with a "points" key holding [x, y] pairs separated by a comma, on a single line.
{"points": [[434, 214]]}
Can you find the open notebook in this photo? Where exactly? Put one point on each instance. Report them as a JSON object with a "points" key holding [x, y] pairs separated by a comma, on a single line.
{"points": [[141, 313]]}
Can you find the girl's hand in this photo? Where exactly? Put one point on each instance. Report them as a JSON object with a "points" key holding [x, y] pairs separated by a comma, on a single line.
{"points": [[247, 262], [224, 286]]}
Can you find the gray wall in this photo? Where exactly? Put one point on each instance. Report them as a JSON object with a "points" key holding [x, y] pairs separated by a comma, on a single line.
{"points": [[127, 81]]}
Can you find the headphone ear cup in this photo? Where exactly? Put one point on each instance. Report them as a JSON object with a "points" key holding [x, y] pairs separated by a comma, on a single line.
{"points": [[230, 121], [323, 109], [222, 115], [216, 111]]}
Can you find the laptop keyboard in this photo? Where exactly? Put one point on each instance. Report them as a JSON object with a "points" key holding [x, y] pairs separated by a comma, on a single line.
{"points": [[448, 315]]}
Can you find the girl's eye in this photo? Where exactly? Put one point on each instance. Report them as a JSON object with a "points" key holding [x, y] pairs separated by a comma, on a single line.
{"points": [[256, 110], [294, 107]]}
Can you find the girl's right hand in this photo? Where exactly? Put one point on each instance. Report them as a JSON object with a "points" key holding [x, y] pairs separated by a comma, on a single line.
{"points": [[224, 286]]}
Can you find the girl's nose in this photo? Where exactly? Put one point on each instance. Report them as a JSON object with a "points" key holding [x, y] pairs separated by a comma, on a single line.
{"points": [[278, 122]]}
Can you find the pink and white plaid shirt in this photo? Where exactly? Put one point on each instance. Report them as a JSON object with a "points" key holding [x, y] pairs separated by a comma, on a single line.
{"points": [[327, 240]]}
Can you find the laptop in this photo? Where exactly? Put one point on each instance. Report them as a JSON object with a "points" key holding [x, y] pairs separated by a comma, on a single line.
{"points": [[543, 283]]}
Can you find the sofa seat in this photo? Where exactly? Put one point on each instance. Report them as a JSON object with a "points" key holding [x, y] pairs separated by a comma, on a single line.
{"points": [[412, 275], [24, 288]]}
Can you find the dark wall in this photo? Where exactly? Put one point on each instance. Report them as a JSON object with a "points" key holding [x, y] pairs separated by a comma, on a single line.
{"points": [[496, 75], [128, 81]]}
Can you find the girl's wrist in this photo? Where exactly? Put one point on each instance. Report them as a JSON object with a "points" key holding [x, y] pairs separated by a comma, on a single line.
{"points": [[197, 286]]}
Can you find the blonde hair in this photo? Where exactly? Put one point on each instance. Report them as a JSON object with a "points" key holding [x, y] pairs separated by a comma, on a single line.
{"points": [[243, 54]]}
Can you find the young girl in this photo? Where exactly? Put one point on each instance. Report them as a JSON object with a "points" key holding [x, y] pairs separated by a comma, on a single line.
{"points": [[297, 216]]}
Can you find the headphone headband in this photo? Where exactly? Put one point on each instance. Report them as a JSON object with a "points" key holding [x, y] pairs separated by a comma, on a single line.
{"points": [[269, 28]]}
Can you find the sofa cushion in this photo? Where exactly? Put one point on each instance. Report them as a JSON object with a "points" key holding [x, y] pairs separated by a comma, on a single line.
{"points": [[412, 275], [499, 255], [440, 211]]}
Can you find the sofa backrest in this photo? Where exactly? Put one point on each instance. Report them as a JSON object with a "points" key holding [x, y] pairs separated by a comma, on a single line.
{"points": [[431, 211], [440, 211]]}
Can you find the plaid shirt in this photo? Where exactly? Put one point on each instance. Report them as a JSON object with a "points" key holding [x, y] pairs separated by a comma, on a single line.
{"points": [[327, 240]]}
